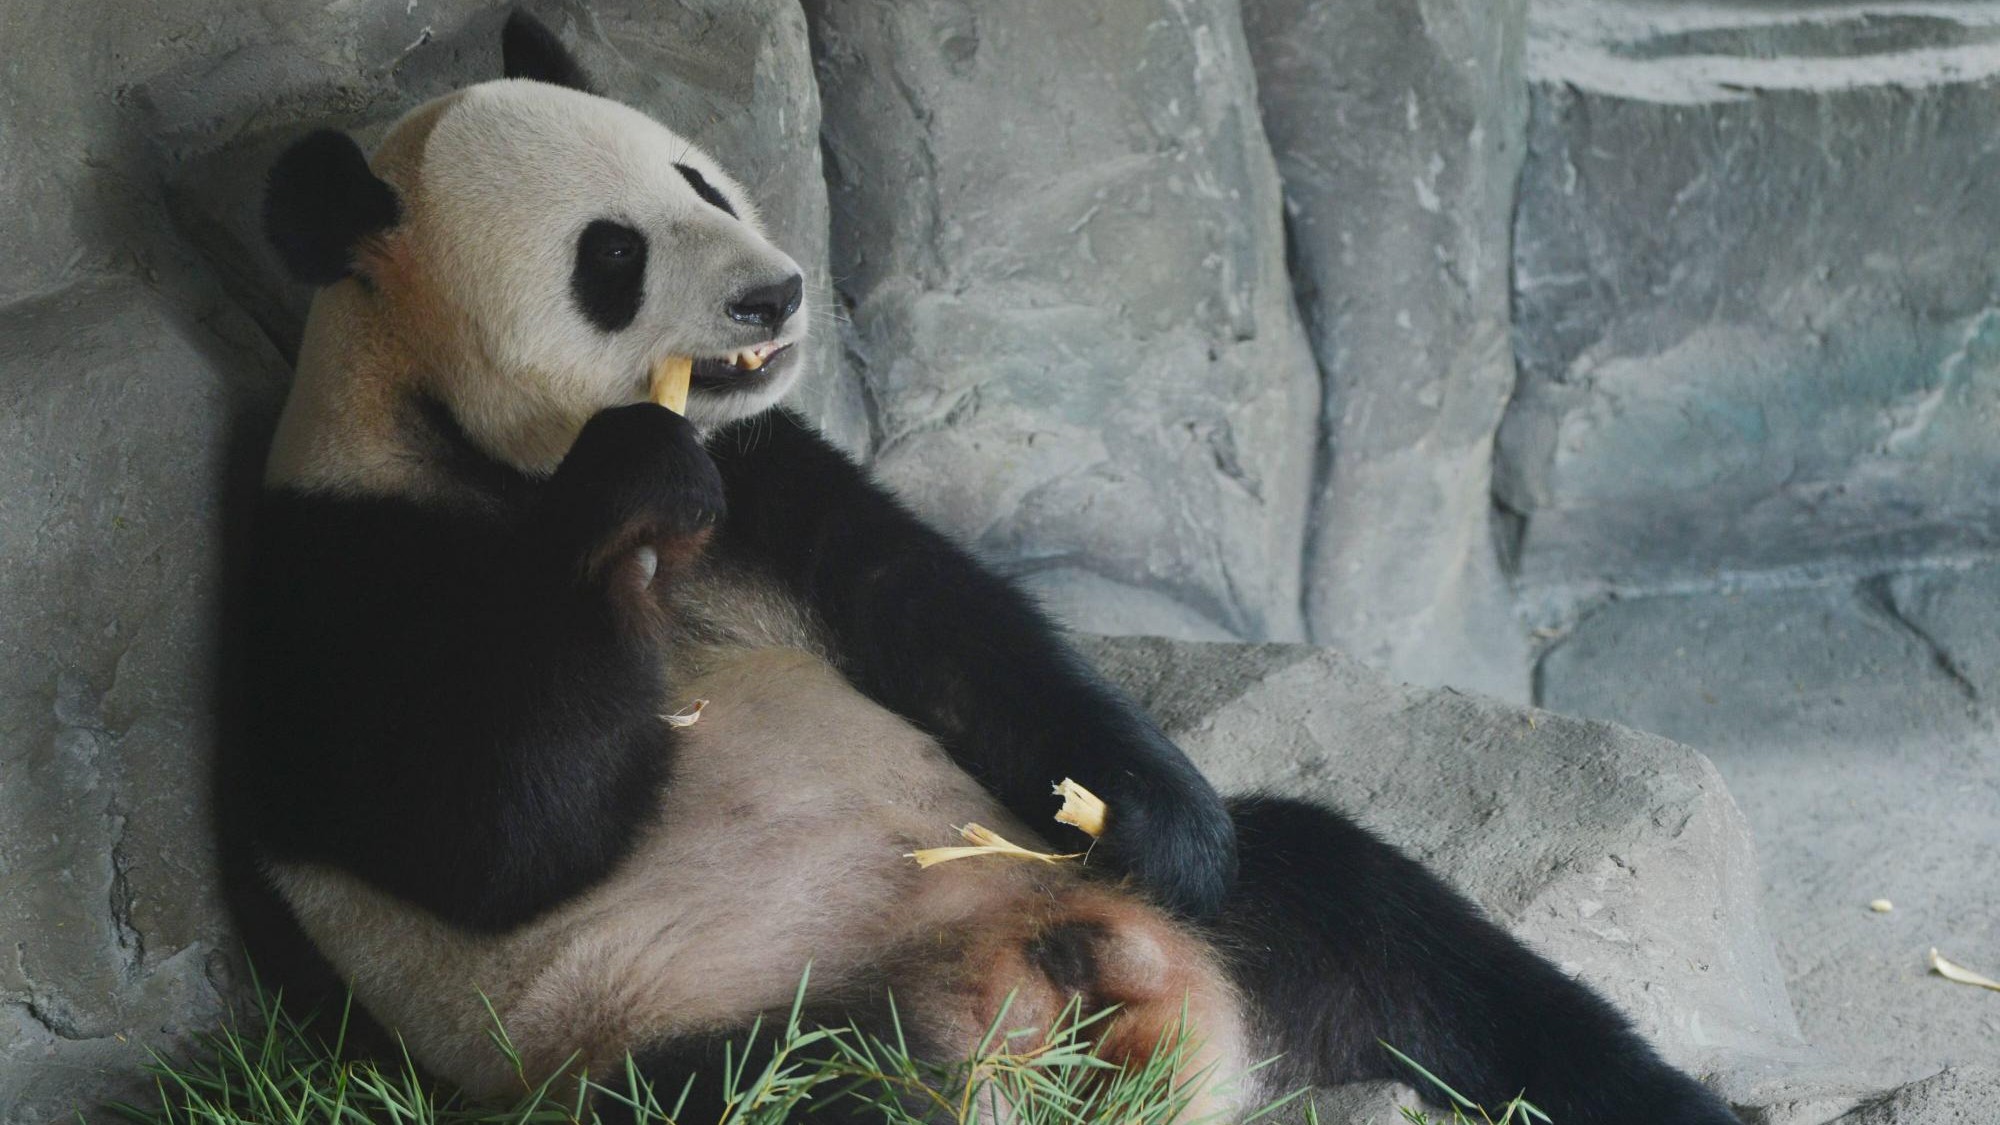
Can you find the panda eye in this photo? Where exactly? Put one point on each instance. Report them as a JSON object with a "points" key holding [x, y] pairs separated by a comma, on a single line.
{"points": [[612, 242], [609, 280]]}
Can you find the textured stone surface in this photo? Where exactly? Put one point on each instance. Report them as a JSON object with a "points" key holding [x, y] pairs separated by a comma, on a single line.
{"points": [[1960, 1096], [1758, 312], [1399, 129], [1956, 613], [1057, 228], [1616, 854], [1687, 54], [119, 417], [1814, 1098], [65, 155], [1869, 768]]}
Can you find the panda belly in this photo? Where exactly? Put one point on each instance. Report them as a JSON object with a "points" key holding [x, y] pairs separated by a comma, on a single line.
{"points": [[781, 843]]}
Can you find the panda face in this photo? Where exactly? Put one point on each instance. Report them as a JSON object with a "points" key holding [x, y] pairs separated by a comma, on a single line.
{"points": [[576, 243]]}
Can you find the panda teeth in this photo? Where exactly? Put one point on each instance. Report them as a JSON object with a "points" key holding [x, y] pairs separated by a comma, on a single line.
{"points": [[747, 361]]}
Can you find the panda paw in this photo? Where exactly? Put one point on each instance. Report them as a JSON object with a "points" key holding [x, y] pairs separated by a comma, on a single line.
{"points": [[642, 493], [1175, 838]]}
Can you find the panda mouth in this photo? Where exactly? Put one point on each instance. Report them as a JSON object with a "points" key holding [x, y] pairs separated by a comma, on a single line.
{"points": [[742, 370]]}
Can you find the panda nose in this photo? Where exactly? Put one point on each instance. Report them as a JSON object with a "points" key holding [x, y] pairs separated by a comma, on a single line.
{"points": [[768, 306]]}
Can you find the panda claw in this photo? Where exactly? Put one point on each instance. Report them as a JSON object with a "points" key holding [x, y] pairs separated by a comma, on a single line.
{"points": [[648, 560]]}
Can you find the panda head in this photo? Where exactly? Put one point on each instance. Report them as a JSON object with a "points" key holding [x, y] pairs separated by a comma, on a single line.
{"points": [[525, 252]]}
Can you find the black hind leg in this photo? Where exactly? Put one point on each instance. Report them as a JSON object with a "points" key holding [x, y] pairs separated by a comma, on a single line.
{"points": [[1339, 940]]}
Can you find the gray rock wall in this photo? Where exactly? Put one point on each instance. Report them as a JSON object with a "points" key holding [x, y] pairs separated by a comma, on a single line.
{"points": [[1757, 302], [1056, 228], [123, 414], [1399, 132]]}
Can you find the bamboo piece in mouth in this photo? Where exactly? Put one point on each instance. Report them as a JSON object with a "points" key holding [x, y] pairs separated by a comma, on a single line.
{"points": [[670, 382]]}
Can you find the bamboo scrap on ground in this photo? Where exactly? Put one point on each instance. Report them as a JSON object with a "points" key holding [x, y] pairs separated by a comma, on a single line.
{"points": [[1955, 972]]}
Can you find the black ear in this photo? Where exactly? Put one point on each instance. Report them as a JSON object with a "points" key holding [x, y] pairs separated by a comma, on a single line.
{"points": [[529, 50], [320, 202]]}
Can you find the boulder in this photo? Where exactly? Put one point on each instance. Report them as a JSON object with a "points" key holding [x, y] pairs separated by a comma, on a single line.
{"points": [[1057, 230], [1618, 855], [122, 419], [1399, 131]]}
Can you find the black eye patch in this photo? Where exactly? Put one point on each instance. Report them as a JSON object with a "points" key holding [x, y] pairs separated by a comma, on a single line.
{"points": [[609, 281], [705, 189]]}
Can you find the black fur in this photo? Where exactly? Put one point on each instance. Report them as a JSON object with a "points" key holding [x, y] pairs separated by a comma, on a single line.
{"points": [[1342, 941], [460, 702], [320, 202], [609, 279], [706, 190], [530, 50], [923, 629]]}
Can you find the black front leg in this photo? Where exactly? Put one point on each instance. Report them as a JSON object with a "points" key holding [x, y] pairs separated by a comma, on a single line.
{"points": [[924, 629], [461, 705]]}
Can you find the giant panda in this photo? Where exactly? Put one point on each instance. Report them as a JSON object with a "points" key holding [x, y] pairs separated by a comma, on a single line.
{"points": [[484, 568]]}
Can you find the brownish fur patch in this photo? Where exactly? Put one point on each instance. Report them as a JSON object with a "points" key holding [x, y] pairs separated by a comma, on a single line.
{"points": [[375, 341]]}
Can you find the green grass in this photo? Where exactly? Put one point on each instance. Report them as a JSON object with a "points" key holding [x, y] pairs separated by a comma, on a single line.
{"points": [[283, 1072]]}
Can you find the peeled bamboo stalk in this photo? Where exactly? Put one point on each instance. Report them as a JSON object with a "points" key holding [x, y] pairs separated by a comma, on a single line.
{"points": [[670, 382]]}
